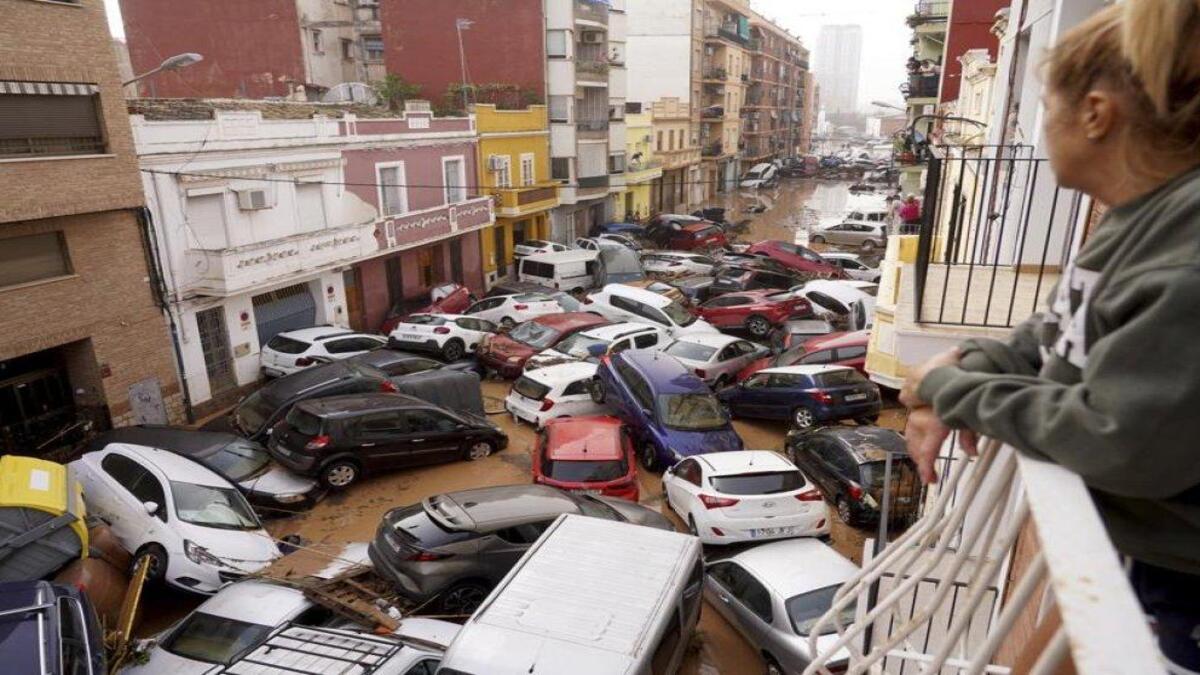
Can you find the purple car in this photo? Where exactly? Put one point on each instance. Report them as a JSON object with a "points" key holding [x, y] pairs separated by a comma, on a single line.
{"points": [[671, 412]]}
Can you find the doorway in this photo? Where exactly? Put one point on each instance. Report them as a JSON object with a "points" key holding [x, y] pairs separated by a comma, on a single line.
{"points": [[214, 345], [500, 255], [354, 299]]}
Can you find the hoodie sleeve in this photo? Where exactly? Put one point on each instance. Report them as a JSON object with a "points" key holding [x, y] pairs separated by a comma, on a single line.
{"points": [[1019, 356], [1129, 426]]}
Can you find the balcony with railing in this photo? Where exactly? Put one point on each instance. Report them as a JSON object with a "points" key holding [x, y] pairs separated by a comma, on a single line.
{"points": [[715, 74], [590, 184], [592, 128], [1009, 570], [725, 30], [519, 201], [595, 11], [922, 86], [712, 150], [640, 170]]}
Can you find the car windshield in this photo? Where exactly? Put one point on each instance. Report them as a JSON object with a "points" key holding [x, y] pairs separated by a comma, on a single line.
{"points": [[804, 610], [765, 483], [691, 412], [534, 335], [585, 471], [568, 303], [690, 351], [254, 412], [530, 388], [209, 506], [679, 314], [239, 460], [214, 639], [578, 344]]}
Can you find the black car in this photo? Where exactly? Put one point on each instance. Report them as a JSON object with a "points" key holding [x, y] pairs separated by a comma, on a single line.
{"points": [[398, 363], [848, 466], [738, 279], [338, 439], [49, 628], [242, 462], [258, 412]]}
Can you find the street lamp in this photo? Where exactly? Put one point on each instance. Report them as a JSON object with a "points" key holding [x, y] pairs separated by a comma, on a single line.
{"points": [[882, 104], [170, 63]]}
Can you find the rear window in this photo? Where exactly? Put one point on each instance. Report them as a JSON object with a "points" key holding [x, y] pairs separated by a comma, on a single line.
{"points": [[530, 388], [691, 351], [425, 320], [304, 422], [214, 639], [537, 269], [287, 345], [902, 472], [765, 483], [839, 378], [585, 471], [412, 526]]}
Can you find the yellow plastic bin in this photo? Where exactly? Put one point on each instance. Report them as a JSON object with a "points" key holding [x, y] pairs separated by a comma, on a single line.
{"points": [[41, 518]]}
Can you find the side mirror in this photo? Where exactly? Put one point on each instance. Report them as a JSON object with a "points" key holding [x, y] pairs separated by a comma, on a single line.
{"points": [[151, 507]]}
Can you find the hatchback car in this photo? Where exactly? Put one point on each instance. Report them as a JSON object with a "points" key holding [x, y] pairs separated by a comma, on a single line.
{"points": [[295, 350], [757, 312], [753, 495], [797, 257], [339, 439], [866, 236], [448, 298], [715, 358], [848, 465], [676, 263], [854, 266], [775, 594], [451, 336], [455, 547], [510, 310], [805, 395], [507, 354], [592, 455], [619, 302], [268, 487], [701, 236], [593, 343], [671, 413], [562, 390], [743, 279], [196, 530], [839, 349], [535, 246]]}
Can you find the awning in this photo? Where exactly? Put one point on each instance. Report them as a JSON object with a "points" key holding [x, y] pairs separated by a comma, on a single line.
{"points": [[48, 88]]}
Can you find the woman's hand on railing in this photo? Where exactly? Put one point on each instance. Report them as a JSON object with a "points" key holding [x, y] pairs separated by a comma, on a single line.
{"points": [[908, 393], [925, 432]]}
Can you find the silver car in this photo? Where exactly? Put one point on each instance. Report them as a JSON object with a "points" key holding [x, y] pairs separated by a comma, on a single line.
{"points": [[864, 235], [774, 594], [453, 548], [715, 358]]}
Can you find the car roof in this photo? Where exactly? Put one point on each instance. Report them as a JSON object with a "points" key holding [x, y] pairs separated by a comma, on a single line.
{"points": [[665, 374], [640, 294], [843, 339], [795, 566], [286, 387], [613, 331], [348, 405], [805, 370], [717, 340], [562, 372], [257, 602], [442, 315], [172, 465], [746, 461], [570, 255], [693, 280], [696, 227], [869, 444], [385, 356], [760, 293], [568, 320], [176, 439], [493, 508], [584, 438], [316, 333]]}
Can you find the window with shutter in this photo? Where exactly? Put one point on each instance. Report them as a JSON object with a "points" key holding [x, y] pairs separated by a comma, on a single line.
{"points": [[49, 118], [32, 258]]}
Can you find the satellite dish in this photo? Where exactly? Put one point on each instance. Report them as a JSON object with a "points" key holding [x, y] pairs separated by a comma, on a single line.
{"points": [[350, 92]]}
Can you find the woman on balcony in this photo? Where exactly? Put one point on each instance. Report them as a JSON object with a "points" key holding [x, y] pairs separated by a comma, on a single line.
{"points": [[1106, 381]]}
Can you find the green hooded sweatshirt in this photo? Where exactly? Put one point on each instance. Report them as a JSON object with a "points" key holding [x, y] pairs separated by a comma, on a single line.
{"points": [[1106, 381]]}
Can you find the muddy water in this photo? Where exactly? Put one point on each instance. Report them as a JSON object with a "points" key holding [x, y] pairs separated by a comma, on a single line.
{"points": [[353, 516], [790, 209]]}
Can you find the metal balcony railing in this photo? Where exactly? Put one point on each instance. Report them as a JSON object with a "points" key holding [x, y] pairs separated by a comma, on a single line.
{"points": [[1009, 551], [715, 74], [933, 9], [586, 182]]}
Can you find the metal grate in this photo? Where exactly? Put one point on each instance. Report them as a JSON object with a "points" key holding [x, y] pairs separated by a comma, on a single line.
{"points": [[214, 344], [306, 650]]}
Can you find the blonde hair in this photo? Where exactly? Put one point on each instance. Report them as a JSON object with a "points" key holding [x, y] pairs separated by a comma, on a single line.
{"points": [[1148, 53]]}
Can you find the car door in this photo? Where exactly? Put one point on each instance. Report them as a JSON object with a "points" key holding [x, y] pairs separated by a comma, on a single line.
{"points": [[505, 547], [683, 486], [720, 311], [380, 440], [654, 339], [130, 484], [472, 330], [433, 435], [742, 599], [488, 309], [744, 353]]}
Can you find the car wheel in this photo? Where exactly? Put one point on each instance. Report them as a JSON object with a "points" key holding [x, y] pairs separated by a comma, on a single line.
{"points": [[596, 389], [157, 562], [463, 598], [507, 323], [453, 350], [339, 474], [866, 421], [649, 456], [721, 382], [773, 667], [816, 239], [868, 246], [844, 511], [803, 418], [758, 326], [479, 450]]}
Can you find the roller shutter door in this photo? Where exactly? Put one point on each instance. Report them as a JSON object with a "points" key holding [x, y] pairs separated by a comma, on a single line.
{"points": [[282, 310]]}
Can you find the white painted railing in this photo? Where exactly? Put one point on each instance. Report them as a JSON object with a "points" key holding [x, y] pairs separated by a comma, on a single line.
{"points": [[1009, 571]]}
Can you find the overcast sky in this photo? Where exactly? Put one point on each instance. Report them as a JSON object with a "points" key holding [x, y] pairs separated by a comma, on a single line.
{"points": [[885, 37]]}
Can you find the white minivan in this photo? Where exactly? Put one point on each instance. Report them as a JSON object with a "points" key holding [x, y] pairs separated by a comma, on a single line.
{"points": [[591, 597], [573, 271]]}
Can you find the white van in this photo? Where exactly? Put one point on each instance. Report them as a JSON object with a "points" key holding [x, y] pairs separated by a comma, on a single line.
{"points": [[591, 597], [572, 271], [619, 302], [760, 176]]}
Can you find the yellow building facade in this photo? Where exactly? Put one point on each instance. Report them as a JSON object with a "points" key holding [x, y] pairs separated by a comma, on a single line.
{"points": [[514, 168], [641, 166]]}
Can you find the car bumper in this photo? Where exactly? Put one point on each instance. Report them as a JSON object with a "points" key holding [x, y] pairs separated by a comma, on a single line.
{"points": [[271, 505], [405, 585], [427, 346], [304, 465], [813, 523], [848, 411], [205, 579], [526, 413], [507, 369]]}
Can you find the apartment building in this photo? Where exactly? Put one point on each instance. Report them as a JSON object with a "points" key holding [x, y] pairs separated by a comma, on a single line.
{"points": [[682, 184], [726, 77], [266, 48], [82, 337], [271, 216], [775, 110], [644, 167], [839, 65]]}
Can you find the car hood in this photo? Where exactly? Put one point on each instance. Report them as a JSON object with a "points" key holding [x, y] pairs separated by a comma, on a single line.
{"points": [[688, 443], [248, 550], [276, 480], [697, 326], [550, 357], [504, 346], [638, 514]]}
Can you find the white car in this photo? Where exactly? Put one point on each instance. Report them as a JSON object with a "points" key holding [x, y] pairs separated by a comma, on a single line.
{"points": [[554, 391], [622, 239], [854, 267], [535, 246], [510, 310], [242, 617], [840, 301], [676, 263], [197, 529], [295, 350], [618, 302], [760, 176], [753, 495], [609, 339], [452, 336], [715, 358]]}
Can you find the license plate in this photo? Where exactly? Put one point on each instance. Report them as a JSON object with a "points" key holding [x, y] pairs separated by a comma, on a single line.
{"points": [[856, 397], [773, 532], [410, 336], [594, 493]]}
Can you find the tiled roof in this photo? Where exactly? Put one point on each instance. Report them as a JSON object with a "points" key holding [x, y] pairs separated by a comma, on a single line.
{"points": [[158, 109]]}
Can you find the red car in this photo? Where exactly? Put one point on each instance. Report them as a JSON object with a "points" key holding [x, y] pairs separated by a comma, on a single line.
{"points": [[593, 454], [837, 349], [700, 236], [797, 258], [756, 311], [507, 354], [444, 299]]}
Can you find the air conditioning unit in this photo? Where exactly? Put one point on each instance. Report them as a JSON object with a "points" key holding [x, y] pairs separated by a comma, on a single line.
{"points": [[254, 199], [592, 38], [496, 162]]}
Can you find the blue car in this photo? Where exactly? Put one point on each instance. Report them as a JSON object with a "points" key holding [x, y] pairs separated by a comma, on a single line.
{"points": [[49, 628], [806, 395], [671, 413], [632, 229]]}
